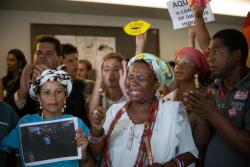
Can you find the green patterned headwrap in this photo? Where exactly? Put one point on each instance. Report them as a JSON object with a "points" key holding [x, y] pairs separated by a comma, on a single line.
{"points": [[161, 68]]}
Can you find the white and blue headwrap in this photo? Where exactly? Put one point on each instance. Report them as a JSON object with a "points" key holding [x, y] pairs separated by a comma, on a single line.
{"points": [[60, 76], [161, 68]]}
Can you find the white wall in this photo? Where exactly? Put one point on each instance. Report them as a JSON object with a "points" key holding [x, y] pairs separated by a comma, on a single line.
{"points": [[15, 30]]}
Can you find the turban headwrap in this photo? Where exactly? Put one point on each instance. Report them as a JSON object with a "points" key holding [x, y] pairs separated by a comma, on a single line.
{"points": [[60, 76], [196, 56], [161, 68]]}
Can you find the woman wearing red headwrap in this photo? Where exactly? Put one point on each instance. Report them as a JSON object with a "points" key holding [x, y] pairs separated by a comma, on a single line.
{"points": [[190, 71]]}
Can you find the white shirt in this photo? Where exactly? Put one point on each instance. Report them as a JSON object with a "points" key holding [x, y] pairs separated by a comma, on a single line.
{"points": [[171, 135]]}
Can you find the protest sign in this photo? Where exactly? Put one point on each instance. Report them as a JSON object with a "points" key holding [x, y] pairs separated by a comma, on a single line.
{"points": [[182, 15]]}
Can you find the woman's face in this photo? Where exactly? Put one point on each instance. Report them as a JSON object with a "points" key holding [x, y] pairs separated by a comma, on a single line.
{"points": [[110, 72], [52, 96], [12, 63], [141, 83], [184, 69]]}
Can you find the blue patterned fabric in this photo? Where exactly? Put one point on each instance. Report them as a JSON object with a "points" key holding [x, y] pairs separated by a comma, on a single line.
{"points": [[161, 68]]}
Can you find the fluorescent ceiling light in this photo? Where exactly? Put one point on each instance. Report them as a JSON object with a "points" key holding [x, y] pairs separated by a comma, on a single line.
{"points": [[224, 7]]}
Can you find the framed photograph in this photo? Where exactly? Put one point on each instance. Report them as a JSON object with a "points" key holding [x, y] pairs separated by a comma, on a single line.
{"points": [[90, 47], [49, 141]]}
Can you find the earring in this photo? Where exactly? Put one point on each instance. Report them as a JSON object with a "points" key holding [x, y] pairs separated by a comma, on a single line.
{"points": [[65, 106], [40, 106], [196, 80], [20, 69]]}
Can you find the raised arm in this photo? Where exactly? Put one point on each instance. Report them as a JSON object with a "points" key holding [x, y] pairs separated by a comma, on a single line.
{"points": [[191, 36], [21, 94], [94, 99], [201, 30], [122, 80], [140, 41]]}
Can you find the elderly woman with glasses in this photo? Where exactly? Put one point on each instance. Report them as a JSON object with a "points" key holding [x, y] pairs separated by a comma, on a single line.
{"points": [[51, 89], [144, 131]]}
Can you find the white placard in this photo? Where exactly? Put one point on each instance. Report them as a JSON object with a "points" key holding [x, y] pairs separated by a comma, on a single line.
{"points": [[182, 15]]}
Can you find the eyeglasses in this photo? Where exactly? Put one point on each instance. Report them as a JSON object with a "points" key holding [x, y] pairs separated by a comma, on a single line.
{"points": [[57, 92]]}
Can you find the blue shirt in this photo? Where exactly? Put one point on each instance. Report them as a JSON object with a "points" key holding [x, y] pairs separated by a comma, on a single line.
{"points": [[12, 140], [8, 121]]}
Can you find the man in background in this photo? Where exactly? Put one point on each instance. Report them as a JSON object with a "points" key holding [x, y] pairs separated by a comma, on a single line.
{"points": [[84, 69], [70, 61], [48, 54]]}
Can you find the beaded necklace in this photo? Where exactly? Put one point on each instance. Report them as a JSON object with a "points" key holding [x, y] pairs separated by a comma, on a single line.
{"points": [[146, 136]]}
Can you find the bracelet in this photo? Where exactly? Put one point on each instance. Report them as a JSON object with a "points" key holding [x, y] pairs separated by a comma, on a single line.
{"points": [[100, 90], [179, 162], [95, 139], [125, 97]]}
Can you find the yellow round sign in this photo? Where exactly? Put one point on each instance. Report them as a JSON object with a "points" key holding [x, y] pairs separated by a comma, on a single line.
{"points": [[136, 27]]}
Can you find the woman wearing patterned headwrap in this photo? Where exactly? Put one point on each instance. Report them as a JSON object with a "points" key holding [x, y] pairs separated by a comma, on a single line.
{"points": [[51, 89], [144, 131]]}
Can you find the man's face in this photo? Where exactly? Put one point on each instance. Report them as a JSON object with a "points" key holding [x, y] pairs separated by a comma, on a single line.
{"points": [[46, 54], [82, 71], [71, 62], [220, 59]]}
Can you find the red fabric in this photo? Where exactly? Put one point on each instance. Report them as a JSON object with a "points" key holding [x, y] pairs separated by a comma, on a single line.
{"points": [[247, 21], [197, 57], [198, 3], [246, 32], [246, 29]]}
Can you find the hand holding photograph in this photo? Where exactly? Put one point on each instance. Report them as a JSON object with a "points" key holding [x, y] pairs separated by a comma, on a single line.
{"points": [[49, 141]]}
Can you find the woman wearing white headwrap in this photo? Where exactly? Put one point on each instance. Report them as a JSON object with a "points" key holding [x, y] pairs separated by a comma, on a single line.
{"points": [[51, 89]]}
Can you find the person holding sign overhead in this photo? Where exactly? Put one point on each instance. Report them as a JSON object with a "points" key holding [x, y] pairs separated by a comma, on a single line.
{"points": [[227, 108]]}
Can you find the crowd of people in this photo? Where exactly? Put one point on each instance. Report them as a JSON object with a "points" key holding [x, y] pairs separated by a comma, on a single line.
{"points": [[147, 111]]}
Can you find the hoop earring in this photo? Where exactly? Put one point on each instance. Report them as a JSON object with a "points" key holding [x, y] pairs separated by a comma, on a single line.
{"points": [[196, 81]]}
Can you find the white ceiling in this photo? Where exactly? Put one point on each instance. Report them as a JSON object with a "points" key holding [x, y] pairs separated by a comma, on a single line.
{"points": [[103, 9], [237, 7]]}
